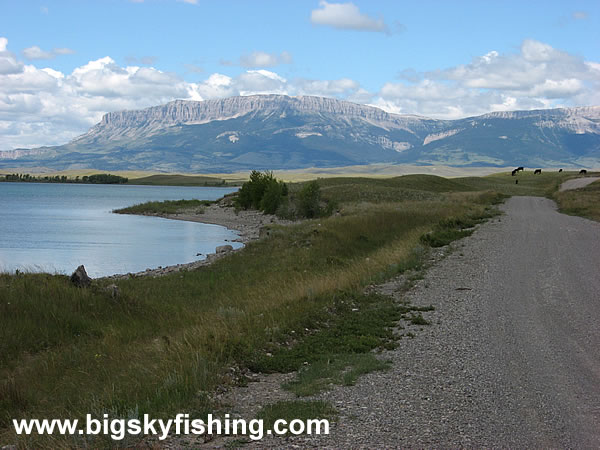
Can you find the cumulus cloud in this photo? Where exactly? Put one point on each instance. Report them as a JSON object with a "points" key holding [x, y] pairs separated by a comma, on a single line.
{"points": [[9, 64], [343, 87], [46, 107], [346, 16], [538, 76], [43, 106], [35, 53]]}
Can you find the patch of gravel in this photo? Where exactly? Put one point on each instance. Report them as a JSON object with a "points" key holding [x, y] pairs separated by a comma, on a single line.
{"points": [[577, 183]]}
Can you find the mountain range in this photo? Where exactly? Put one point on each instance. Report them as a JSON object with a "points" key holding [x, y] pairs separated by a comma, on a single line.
{"points": [[282, 132]]}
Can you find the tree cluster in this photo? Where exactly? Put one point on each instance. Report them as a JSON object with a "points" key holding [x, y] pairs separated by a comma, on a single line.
{"points": [[265, 193]]}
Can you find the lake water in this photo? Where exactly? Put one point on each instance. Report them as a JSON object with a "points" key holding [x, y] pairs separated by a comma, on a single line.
{"points": [[56, 227]]}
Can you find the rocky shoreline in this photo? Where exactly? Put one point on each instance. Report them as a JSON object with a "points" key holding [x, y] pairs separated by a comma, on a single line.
{"points": [[247, 223]]}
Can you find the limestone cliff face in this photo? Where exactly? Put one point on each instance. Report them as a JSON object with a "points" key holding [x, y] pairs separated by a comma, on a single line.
{"points": [[338, 114], [282, 132], [181, 112]]}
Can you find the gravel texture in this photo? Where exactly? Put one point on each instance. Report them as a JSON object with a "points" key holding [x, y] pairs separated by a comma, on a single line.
{"points": [[577, 183], [511, 358]]}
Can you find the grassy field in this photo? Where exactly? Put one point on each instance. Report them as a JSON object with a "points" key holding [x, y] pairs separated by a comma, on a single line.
{"points": [[179, 180], [164, 345], [581, 202], [299, 175]]}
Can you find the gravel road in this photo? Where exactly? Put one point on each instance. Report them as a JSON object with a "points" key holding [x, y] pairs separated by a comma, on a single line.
{"points": [[512, 358], [577, 183]]}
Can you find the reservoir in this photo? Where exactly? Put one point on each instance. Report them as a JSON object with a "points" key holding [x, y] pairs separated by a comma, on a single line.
{"points": [[54, 228]]}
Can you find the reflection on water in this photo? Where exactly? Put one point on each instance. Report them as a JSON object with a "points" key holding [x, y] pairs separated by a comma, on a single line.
{"points": [[56, 227]]}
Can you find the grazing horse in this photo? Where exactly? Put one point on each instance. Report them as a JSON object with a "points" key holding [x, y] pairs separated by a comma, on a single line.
{"points": [[583, 172], [559, 170], [537, 171]]}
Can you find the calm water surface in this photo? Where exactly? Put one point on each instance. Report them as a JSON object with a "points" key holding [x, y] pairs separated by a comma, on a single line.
{"points": [[56, 227]]}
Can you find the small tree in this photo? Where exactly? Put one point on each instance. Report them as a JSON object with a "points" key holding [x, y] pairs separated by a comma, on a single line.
{"points": [[309, 199], [273, 196], [263, 191]]}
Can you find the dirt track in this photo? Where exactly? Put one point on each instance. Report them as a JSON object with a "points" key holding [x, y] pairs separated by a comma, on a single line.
{"points": [[512, 358], [577, 183]]}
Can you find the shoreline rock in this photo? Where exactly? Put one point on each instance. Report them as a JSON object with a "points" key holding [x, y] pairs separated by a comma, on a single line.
{"points": [[80, 278]]}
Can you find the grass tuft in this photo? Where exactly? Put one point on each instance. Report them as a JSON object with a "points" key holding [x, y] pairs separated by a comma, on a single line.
{"points": [[164, 207]]}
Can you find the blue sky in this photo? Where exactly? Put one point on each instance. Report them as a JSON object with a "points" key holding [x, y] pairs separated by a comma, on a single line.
{"points": [[65, 63]]}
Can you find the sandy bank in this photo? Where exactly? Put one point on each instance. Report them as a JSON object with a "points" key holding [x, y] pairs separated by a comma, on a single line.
{"points": [[247, 224]]}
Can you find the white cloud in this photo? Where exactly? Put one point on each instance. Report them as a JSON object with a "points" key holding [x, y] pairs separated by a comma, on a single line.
{"points": [[43, 106], [327, 88], [37, 53], [47, 107], [216, 86], [346, 16], [539, 76], [63, 51], [8, 61], [34, 53], [538, 51], [260, 81]]}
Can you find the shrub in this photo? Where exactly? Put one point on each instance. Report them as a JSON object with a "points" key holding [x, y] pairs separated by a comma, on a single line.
{"points": [[263, 192], [273, 196], [266, 193], [309, 199]]}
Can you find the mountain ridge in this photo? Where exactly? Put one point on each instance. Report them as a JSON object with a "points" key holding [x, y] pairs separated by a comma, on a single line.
{"points": [[282, 132]]}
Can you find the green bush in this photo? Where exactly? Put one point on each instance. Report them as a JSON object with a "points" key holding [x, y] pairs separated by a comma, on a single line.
{"points": [[266, 193], [273, 196], [263, 192], [309, 199]]}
